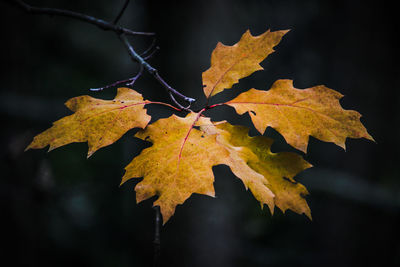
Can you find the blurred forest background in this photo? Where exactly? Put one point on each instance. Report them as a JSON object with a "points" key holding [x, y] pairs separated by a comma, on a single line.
{"points": [[61, 209]]}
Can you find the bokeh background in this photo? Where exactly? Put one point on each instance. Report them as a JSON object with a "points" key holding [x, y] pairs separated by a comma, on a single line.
{"points": [[61, 209]]}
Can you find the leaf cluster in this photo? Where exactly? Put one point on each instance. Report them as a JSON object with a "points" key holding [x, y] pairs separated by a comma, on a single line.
{"points": [[184, 149]]}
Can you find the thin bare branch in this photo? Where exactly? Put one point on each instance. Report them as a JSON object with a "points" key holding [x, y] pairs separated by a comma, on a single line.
{"points": [[102, 24], [152, 53], [127, 82], [121, 12], [133, 80], [149, 48], [121, 32], [117, 83], [178, 104], [154, 72]]}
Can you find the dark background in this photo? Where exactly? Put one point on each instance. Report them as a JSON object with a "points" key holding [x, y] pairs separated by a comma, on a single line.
{"points": [[61, 209]]}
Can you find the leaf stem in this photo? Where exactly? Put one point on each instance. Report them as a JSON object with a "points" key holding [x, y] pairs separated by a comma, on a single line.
{"points": [[215, 105], [162, 103]]}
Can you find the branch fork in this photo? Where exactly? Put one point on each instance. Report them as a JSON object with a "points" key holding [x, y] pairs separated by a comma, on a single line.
{"points": [[122, 34]]}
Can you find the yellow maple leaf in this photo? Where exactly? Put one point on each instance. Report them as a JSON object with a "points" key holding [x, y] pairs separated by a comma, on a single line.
{"points": [[178, 164], [276, 169], [99, 122], [231, 63], [297, 114]]}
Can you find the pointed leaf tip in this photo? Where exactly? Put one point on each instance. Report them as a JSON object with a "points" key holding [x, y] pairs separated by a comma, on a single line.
{"points": [[231, 63]]}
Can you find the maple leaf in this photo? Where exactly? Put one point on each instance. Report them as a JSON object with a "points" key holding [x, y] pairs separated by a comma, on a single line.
{"points": [[276, 169], [178, 163], [231, 63], [99, 122], [297, 114]]}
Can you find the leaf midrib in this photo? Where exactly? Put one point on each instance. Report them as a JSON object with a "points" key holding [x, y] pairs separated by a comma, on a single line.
{"points": [[285, 105]]}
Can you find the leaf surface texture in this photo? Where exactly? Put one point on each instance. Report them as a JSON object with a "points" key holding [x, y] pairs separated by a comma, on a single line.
{"points": [[99, 122], [178, 164], [298, 114], [277, 170], [231, 63]]}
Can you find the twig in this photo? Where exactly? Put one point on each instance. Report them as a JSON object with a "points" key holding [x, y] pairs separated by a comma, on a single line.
{"points": [[102, 24], [187, 108], [152, 53], [127, 82], [157, 239], [133, 80], [155, 74], [121, 12], [110, 85], [121, 32], [149, 48]]}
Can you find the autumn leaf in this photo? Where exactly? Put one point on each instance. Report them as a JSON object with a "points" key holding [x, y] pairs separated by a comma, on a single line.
{"points": [[277, 169], [99, 122], [178, 164], [231, 63], [297, 114], [237, 160]]}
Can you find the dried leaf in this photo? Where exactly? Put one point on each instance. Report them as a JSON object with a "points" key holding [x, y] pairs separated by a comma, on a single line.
{"points": [[99, 122], [231, 63], [297, 114]]}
